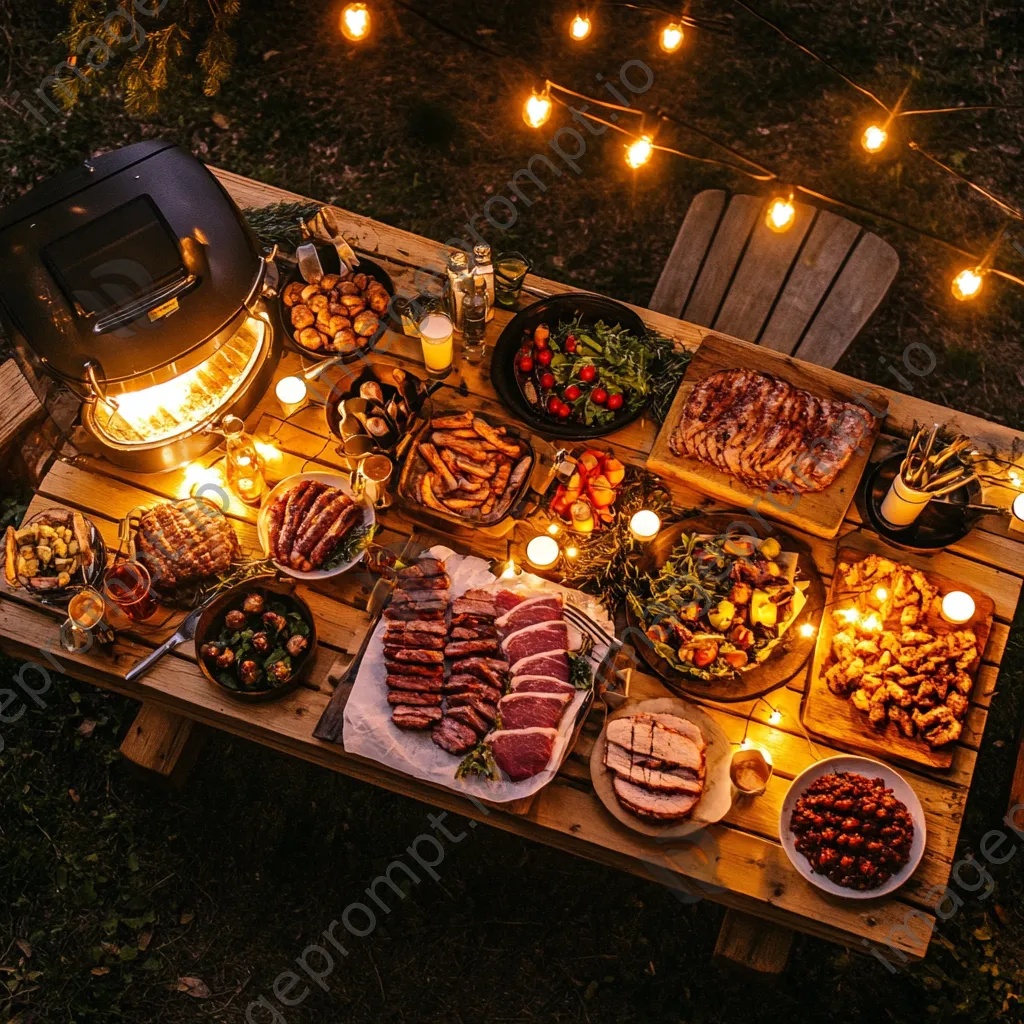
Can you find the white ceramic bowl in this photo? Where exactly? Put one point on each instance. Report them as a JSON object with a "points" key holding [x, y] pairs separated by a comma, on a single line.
{"points": [[873, 770]]}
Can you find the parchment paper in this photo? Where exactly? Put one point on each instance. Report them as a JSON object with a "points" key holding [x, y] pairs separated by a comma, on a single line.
{"points": [[369, 731]]}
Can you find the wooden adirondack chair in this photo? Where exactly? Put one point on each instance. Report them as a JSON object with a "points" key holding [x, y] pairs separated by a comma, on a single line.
{"points": [[805, 292]]}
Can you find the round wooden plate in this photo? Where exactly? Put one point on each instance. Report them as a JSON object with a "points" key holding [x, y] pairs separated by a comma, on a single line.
{"points": [[716, 799], [873, 770], [789, 656]]}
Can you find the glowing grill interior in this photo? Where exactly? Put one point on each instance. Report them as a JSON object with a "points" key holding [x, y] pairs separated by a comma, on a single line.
{"points": [[166, 410]]}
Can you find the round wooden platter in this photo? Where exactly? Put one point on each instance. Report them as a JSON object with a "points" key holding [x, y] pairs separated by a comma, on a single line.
{"points": [[717, 797], [786, 659]]}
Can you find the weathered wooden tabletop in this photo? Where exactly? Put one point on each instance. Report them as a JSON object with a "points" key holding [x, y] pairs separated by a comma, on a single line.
{"points": [[740, 861]]}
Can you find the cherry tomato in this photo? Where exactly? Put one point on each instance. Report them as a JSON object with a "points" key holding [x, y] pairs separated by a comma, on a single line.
{"points": [[570, 344], [544, 357], [599, 396], [571, 393], [615, 402], [588, 374], [547, 381], [525, 364], [564, 411], [554, 404]]}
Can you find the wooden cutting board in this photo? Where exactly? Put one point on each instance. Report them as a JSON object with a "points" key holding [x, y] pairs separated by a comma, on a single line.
{"points": [[836, 719], [820, 513]]}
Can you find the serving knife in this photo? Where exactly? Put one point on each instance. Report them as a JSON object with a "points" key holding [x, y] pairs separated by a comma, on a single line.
{"points": [[185, 632]]}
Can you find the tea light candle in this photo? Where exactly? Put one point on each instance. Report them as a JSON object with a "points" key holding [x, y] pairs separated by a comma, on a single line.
{"points": [[645, 525], [542, 552], [958, 607], [291, 393], [1018, 507]]}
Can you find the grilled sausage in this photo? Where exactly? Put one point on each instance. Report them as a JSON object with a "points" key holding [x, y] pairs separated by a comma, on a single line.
{"points": [[333, 536]]}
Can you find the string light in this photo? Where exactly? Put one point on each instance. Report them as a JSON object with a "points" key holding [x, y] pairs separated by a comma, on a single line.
{"points": [[639, 151], [775, 717], [781, 214], [807, 629], [554, 529], [571, 551], [967, 284], [537, 109], [671, 37], [881, 593], [579, 27], [874, 138], [355, 22]]}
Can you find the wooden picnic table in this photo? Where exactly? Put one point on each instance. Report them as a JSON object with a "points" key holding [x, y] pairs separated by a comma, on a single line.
{"points": [[738, 862]]}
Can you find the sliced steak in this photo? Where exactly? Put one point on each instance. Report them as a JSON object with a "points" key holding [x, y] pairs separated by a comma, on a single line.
{"points": [[525, 710], [407, 612], [552, 663], [464, 713], [487, 693], [540, 638], [473, 621], [464, 648], [486, 709], [435, 628], [522, 753], [416, 641], [650, 773], [454, 736], [413, 654], [407, 717], [426, 566], [649, 803], [473, 633], [441, 582], [408, 668], [418, 699], [541, 684], [478, 609], [505, 601], [547, 608], [417, 684], [490, 670]]}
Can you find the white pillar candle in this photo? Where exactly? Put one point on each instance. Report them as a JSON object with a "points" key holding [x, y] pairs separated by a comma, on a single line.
{"points": [[291, 393], [958, 607], [542, 552], [1018, 507], [645, 525]]}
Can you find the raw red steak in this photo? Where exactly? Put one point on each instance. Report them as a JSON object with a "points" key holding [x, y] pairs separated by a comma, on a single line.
{"points": [[521, 753], [506, 601], [534, 609], [553, 663], [537, 639], [525, 710], [541, 684]]}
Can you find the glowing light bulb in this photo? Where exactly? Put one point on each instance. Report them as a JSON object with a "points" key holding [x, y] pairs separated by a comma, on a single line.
{"points": [[874, 138], [781, 214], [1015, 478], [671, 37], [849, 614], [807, 629], [639, 151], [355, 22], [554, 529], [967, 284], [571, 551], [775, 717], [537, 109], [579, 27]]}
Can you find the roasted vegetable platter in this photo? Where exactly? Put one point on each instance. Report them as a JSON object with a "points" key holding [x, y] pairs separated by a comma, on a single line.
{"points": [[719, 603], [54, 553]]}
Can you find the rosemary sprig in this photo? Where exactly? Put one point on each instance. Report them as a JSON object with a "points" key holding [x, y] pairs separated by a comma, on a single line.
{"points": [[278, 223], [240, 572], [355, 541], [479, 761]]}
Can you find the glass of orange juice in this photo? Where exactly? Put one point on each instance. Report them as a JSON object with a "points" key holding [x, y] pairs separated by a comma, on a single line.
{"points": [[436, 335]]}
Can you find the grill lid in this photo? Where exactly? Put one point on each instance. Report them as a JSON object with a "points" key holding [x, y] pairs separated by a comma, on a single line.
{"points": [[126, 264]]}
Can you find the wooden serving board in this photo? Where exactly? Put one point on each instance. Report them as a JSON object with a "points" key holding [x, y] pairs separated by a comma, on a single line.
{"points": [[820, 513], [836, 719]]}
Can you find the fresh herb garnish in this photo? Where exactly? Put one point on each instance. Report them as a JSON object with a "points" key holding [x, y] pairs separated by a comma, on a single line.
{"points": [[580, 673], [479, 761], [350, 546]]}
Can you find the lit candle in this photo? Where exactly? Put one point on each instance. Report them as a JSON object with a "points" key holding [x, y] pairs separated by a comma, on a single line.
{"points": [[1018, 507], [291, 393], [542, 552], [510, 571], [645, 525], [958, 607]]}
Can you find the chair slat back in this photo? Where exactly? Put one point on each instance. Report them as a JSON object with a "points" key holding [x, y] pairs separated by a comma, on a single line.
{"points": [[806, 291]]}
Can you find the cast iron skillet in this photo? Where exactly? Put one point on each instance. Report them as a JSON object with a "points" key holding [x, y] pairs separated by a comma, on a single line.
{"points": [[552, 311], [791, 654], [332, 265]]}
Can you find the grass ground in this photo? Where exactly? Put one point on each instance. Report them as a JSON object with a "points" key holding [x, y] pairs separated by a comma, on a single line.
{"points": [[112, 892]]}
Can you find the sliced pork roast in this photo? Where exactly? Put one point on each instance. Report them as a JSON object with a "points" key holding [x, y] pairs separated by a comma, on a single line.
{"points": [[659, 764]]}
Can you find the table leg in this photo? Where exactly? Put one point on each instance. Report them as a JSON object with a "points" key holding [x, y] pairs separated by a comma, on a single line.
{"points": [[753, 945], [163, 745]]}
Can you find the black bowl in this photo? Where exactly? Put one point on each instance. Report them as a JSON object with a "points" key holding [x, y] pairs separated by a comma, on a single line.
{"points": [[332, 265], [942, 523], [552, 311]]}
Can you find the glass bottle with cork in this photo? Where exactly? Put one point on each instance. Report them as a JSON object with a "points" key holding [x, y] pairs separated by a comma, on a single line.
{"points": [[484, 269], [458, 273]]}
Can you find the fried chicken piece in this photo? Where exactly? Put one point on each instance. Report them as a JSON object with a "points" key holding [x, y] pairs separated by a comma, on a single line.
{"points": [[902, 719]]}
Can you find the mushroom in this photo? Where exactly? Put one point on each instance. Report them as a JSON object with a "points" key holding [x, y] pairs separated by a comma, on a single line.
{"points": [[235, 619], [281, 671], [249, 672], [253, 604], [296, 645], [225, 659], [261, 642], [274, 621]]}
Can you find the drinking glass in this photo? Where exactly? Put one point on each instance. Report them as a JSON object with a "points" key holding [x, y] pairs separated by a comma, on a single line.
{"points": [[85, 624], [129, 586], [510, 270], [373, 475], [436, 335]]}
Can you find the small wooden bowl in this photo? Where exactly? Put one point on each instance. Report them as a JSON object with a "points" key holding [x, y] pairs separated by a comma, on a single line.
{"points": [[209, 626]]}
